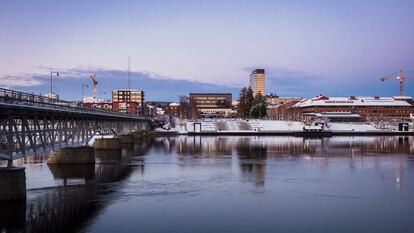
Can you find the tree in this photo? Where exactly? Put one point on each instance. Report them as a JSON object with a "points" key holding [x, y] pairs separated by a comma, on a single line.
{"points": [[259, 107], [241, 107], [246, 102], [249, 99], [184, 107]]}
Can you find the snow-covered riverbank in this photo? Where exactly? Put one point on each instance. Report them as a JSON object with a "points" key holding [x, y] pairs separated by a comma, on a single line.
{"points": [[271, 126]]}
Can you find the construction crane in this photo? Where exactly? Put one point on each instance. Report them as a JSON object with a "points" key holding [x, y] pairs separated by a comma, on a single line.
{"points": [[94, 83], [401, 78]]}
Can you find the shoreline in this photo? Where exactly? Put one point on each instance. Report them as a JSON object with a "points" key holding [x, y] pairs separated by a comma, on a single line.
{"points": [[287, 133]]}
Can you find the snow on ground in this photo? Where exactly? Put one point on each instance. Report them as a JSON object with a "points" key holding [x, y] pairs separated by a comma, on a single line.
{"points": [[90, 143], [239, 125], [351, 127]]}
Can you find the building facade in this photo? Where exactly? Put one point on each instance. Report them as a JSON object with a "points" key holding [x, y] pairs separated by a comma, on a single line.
{"points": [[107, 105], [91, 102], [174, 110], [277, 107], [277, 100], [129, 101], [257, 81], [282, 111], [210, 104], [370, 108]]}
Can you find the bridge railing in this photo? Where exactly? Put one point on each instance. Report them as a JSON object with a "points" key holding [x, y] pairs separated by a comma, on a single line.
{"points": [[23, 98], [7, 95]]}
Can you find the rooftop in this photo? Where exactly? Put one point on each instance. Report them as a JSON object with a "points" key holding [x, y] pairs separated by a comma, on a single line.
{"points": [[210, 93], [258, 71], [127, 90], [399, 101]]}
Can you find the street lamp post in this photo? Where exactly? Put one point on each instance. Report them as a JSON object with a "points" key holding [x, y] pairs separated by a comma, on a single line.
{"points": [[51, 83], [103, 93], [83, 91]]}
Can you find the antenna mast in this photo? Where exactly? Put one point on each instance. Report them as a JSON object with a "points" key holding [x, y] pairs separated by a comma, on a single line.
{"points": [[129, 72]]}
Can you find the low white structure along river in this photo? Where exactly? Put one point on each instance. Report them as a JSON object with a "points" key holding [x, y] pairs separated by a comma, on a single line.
{"points": [[263, 126]]}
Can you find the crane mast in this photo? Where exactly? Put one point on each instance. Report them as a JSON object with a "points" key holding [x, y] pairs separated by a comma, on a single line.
{"points": [[94, 83]]}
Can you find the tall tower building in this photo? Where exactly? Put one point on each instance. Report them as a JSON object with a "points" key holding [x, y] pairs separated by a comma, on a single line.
{"points": [[257, 81]]}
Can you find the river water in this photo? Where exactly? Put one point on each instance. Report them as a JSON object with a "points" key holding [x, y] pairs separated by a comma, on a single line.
{"points": [[225, 184]]}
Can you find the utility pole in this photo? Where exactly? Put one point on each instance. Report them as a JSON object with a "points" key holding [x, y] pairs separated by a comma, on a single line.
{"points": [[83, 92], [51, 83], [129, 72]]}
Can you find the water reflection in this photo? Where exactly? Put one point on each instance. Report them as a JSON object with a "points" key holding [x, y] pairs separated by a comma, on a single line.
{"points": [[83, 193], [220, 168], [285, 146], [253, 152]]}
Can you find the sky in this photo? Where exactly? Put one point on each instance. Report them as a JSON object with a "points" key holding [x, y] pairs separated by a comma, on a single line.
{"points": [[336, 48]]}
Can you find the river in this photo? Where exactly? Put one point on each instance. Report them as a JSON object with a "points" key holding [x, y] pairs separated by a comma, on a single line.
{"points": [[225, 184]]}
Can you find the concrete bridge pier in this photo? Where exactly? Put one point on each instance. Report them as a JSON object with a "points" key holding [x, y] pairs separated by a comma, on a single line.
{"points": [[138, 135], [12, 183], [109, 150], [73, 155], [108, 144], [126, 140]]}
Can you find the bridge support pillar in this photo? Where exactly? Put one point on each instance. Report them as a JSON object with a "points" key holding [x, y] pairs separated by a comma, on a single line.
{"points": [[12, 183], [138, 135], [127, 139], [108, 144], [73, 155], [108, 150]]}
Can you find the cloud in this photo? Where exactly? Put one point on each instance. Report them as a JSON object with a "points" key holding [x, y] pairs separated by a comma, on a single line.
{"points": [[279, 80], [23, 80], [69, 83]]}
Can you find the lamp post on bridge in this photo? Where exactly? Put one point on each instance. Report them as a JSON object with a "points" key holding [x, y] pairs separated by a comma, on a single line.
{"points": [[103, 93], [51, 83], [83, 92]]}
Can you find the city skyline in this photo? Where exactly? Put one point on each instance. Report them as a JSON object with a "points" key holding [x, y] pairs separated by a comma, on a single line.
{"points": [[307, 48]]}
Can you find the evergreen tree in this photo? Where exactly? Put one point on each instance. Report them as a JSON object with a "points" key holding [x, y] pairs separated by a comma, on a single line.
{"points": [[259, 107], [249, 101], [241, 108], [246, 103]]}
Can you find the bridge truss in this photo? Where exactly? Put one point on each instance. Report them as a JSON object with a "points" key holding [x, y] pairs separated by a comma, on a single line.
{"points": [[32, 124]]}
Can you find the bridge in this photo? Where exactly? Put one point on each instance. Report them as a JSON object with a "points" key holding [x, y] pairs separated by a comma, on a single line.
{"points": [[30, 124]]}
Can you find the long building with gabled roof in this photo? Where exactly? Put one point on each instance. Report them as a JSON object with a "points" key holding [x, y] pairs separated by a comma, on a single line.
{"points": [[368, 107]]}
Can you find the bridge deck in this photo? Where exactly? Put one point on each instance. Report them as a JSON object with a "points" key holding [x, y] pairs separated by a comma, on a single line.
{"points": [[20, 101]]}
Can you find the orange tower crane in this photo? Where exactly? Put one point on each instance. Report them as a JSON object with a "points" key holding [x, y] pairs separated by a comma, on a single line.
{"points": [[401, 78], [94, 83]]}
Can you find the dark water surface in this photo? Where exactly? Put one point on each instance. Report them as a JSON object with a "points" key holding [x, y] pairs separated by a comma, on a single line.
{"points": [[225, 184]]}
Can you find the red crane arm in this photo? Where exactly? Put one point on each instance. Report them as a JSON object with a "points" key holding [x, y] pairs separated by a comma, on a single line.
{"points": [[93, 77], [389, 78]]}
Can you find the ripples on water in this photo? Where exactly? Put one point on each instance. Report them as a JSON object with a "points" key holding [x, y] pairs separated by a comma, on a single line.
{"points": [[225, 184]]}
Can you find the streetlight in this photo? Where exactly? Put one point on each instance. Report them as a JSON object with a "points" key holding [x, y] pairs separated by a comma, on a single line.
{"points": [[83, 92], [51, 83], [103, 93]]}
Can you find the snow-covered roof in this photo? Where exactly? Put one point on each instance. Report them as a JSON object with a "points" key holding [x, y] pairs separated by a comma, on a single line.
{"points": [[398, 101], [334, 114]]}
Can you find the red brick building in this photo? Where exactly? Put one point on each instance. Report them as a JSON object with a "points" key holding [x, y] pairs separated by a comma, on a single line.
{"points": [[174, 109], [128, 101], [367, 107]]}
